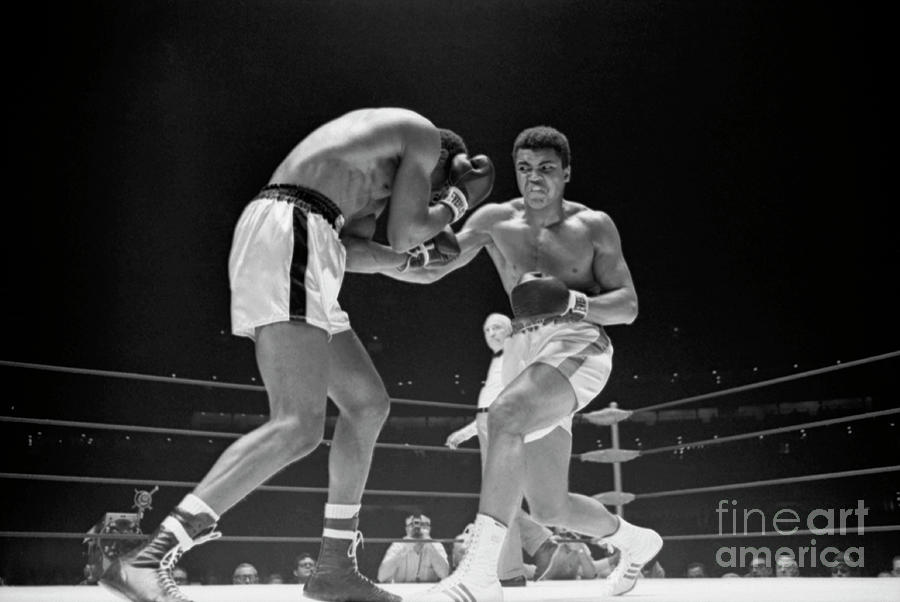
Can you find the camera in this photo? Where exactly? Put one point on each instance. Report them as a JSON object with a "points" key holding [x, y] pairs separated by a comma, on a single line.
{"points": [[419, 526]]}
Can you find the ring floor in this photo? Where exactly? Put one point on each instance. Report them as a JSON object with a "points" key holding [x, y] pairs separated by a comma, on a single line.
{"points": [[869, 589]]}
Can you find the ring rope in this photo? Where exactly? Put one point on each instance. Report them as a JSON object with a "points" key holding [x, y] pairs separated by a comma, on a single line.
{"points": [[772, 431], [782, 481], [772, 381], [289, 539], [190, 485], [816, 532], [202, 383], [225, 538], [197, 433]]}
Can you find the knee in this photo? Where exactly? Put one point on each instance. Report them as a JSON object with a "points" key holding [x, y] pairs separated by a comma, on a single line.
{"points": [[371, 412], [298, 436], [507, 415], [548, 512]]}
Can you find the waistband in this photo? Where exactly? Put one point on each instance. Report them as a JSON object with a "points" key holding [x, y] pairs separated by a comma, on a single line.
{"points": [[482, 410], [531, 324], [305, 198]]}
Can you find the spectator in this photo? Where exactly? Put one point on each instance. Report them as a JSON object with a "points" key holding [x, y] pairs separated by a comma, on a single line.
{"points": [[841, 569], [696, 570], [844, 567], [654, 570], [304, 567], [275, 579], [418, 561], [180, 576], [459, 545], [759, 567], [895, 571], [786, 566], [245, 574]]}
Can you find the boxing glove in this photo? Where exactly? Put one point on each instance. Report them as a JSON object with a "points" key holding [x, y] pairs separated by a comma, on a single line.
{"points": [[470, 182], [440, 250], [540, 296]]}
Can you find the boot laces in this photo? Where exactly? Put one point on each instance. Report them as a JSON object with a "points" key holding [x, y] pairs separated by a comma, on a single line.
{"points": [[168, 562], [358, 540]]}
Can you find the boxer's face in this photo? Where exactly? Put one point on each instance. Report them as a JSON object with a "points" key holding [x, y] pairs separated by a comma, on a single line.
{"points": [[541, 176]]}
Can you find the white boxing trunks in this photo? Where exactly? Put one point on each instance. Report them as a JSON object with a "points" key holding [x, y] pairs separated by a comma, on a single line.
{"points": [[287, 262], [580, 350]]}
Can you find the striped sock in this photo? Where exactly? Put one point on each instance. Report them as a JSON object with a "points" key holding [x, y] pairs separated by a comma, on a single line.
{"points": [[341, 521]]}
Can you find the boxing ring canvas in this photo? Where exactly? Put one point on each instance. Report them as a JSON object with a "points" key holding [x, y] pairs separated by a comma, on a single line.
{"points": [[648, 590]]}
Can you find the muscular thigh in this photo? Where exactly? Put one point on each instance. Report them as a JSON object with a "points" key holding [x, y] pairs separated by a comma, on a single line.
{"points": [[547, 467], [354, 381], [293, 362], [540, 396]]}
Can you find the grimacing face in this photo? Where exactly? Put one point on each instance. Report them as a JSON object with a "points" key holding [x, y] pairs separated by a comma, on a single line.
{"points": [[540, 176]]}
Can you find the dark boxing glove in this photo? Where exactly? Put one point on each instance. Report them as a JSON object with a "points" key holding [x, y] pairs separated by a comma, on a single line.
{"points": [[440, 250], [470, 183], [540, 296]]}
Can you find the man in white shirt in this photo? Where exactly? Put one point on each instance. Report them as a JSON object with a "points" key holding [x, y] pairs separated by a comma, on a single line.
{"points": [[419, 561]]}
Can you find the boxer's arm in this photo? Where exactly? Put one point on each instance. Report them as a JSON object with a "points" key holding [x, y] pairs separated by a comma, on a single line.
{"points": [[474, 236], [618, 303], [365, 256], [458, 437], [412, 220]]}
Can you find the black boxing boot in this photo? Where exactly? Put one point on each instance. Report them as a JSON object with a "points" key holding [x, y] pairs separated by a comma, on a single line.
{"points": [[336, 577], [145, 574]]}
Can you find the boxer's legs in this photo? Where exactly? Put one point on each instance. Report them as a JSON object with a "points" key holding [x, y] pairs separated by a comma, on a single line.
{"points": [[359, 393], [363, 404], [511, 565], [547, 489], [293, 362]]}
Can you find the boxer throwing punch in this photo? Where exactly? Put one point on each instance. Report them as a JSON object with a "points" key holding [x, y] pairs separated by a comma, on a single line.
{"points": [[312, 222], [563, 267]]}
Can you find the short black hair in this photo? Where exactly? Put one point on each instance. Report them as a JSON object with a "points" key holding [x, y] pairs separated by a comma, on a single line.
{"points": [[453, 144], [544, 136]]}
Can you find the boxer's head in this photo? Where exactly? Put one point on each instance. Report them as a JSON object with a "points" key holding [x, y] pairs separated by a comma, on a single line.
{"points": [[452, 144], [497, 328], [541, 156], [544, 137]]}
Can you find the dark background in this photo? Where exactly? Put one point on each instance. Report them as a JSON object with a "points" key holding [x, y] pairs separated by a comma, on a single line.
{"points": [[744, 150]]}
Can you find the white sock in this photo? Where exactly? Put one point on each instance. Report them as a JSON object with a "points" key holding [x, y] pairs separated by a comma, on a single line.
{"points": [[342, 511], [194, 505]]}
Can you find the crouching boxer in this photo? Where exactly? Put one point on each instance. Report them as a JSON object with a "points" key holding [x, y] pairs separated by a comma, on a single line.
{"points": [[562, 265], [313, 221]]}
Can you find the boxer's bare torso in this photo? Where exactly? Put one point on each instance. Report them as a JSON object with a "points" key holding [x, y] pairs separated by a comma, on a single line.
{"points": [[354, 159]]}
